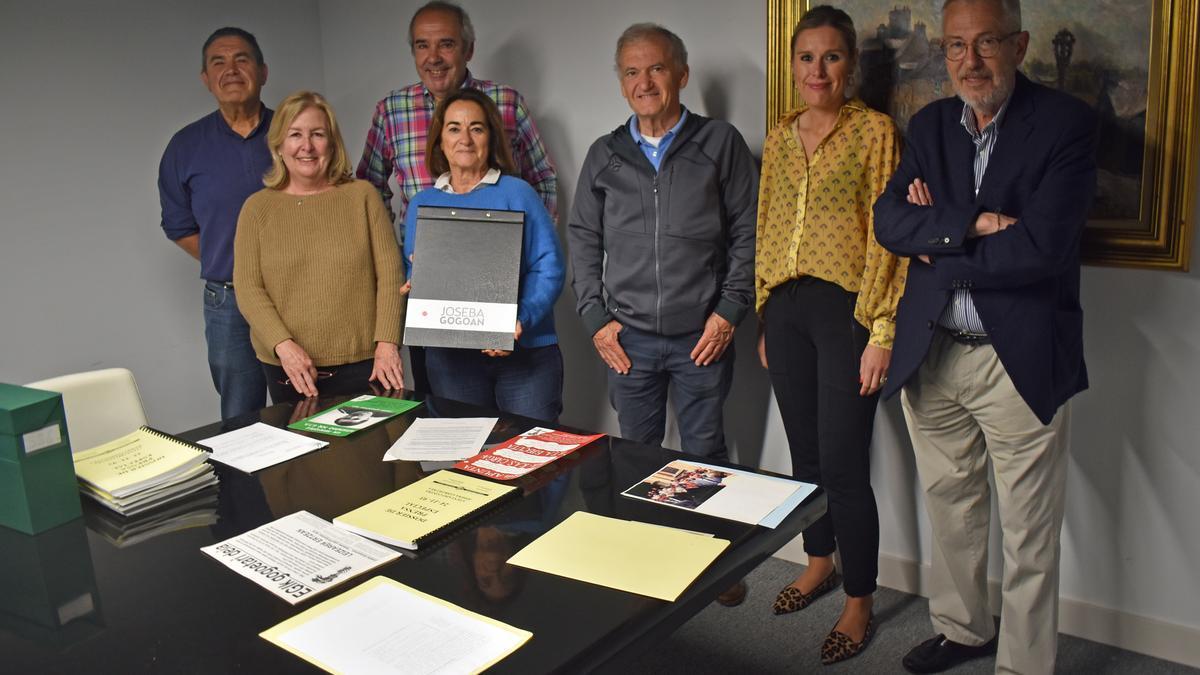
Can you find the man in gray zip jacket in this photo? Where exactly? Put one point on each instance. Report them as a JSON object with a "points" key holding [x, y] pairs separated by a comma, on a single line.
{"points": [[661, 239]]}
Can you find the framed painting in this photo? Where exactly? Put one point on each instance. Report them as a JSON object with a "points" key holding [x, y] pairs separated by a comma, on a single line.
{"points": [[1134, 61]]}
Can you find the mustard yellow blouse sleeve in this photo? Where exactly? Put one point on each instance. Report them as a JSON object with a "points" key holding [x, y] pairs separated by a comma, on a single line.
{"points": [[883, 273]]}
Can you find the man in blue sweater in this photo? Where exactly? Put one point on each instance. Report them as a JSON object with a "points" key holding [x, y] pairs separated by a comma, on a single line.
{"points": [[207, 171]]}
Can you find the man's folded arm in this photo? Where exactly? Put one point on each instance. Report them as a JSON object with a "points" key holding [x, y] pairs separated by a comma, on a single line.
{"points": [[1044, 240]]}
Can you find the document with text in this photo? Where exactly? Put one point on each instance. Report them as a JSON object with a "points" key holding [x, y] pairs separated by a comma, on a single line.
{"points": [[528, 452], [255, 447], [360, 412], [442, 439], [299, 555], [385, 626]]}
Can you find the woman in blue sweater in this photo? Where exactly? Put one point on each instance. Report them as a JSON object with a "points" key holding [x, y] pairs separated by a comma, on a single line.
{"points": [[469, 153]]}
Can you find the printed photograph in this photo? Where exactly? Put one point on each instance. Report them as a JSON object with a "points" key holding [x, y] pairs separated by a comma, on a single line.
{"points": [[351, 417], [680, 484]]}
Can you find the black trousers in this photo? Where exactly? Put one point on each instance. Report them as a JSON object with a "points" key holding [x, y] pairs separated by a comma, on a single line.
{"points": [[814, 346], [350, 378], [420, 373]]}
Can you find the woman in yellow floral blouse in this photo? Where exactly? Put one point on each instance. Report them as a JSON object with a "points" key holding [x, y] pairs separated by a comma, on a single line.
{"points": [[826, 297]]}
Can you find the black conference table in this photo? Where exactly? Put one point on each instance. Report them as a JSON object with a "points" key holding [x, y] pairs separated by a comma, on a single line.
{"points": [[73, 601]]}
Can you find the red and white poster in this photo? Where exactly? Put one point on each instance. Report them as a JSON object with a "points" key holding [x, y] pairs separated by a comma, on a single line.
{"points": [[522, 454]]}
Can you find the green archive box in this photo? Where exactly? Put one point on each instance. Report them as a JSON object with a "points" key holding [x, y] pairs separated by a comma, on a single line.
{"points": [[37, 475]]}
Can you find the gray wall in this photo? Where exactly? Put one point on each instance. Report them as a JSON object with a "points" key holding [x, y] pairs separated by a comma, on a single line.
{"points": [[87, 280], [92, 94]]}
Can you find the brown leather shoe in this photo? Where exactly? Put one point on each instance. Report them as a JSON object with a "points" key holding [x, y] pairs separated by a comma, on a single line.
{"points": [[838, 646], [791, 599], [734, 595]]}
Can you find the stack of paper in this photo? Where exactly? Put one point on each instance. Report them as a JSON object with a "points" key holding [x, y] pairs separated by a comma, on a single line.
{"points": [[384, 626], [196, 510], [142, 470], [425, 509]]}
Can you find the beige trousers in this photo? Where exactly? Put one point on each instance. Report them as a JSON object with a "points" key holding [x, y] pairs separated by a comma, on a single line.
{"points": [[962, 412]]}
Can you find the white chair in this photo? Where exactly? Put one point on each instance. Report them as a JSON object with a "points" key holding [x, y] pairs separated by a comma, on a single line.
{"points": [[100, 405]]}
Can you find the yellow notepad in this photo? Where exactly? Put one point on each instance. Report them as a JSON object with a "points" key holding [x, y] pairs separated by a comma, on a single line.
{"points": [[385, 626], [417, 512], [143, 459], [652, 560]]}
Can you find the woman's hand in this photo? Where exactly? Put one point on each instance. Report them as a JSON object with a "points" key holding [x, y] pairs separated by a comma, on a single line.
{"points": [[872, 369], [404, 290], [762, 345], [299, 368], [388, 369], [505, 352]]}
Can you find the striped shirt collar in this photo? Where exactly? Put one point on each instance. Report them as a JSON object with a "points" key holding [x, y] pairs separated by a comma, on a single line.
{"points": [[968, 120], [490, 178]]}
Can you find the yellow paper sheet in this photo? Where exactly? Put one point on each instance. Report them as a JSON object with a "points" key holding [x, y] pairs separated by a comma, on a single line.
{"points": [[415, 511], [388, 626], [135, 461], [630, 556]]}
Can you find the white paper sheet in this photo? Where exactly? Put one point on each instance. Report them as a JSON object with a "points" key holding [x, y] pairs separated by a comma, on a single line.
{"points": [[299, 555], [442, 439], [258, 446], [385, 627], [735, 494]]}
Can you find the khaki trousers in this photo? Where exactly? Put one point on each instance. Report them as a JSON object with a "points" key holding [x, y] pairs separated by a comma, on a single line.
{"points": [[962, 412]]}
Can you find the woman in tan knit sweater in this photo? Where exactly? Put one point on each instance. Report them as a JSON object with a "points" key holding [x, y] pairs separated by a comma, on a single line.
{"points": [[316, 264]]}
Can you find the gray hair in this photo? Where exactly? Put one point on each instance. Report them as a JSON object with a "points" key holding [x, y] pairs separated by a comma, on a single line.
{"points": [[644, 31], [1010, 11], [467, 29], [230, 31]]}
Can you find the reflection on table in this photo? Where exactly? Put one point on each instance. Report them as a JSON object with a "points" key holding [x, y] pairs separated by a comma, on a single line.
{"points": [[169, 608]]}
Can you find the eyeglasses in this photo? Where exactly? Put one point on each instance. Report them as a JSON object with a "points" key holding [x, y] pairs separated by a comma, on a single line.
{"points": [[321, 375], [986, 47]]}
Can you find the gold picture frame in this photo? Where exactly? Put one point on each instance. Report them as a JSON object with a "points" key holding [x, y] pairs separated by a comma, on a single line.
{"points": [[1156, 230]]}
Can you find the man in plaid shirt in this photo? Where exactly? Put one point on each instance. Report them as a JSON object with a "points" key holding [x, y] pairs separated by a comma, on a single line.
{"points": [[443, 41]]}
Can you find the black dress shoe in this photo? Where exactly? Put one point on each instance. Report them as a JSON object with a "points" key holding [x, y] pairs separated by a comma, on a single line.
{"points": [[940, 653], [734, 595]]}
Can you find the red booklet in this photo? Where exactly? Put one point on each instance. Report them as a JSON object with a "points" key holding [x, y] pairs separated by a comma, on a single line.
{"points": [[522, 454]]}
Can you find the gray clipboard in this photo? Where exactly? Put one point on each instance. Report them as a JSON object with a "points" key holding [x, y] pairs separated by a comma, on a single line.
{"points": [[466, 274]]}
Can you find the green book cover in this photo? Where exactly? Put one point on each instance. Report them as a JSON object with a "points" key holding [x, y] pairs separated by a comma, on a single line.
{"points": [[358, 413]]}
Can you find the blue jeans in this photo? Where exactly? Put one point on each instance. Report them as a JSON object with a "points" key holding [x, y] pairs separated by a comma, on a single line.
{"points": [[662, 362], [236, 372], [528, 382]]}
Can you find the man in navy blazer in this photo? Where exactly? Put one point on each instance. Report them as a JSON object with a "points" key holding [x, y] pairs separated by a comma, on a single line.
{"points": [[990, 201]]}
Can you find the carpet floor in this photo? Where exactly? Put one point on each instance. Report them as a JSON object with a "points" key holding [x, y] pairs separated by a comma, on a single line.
{"points": [[750, 638]]}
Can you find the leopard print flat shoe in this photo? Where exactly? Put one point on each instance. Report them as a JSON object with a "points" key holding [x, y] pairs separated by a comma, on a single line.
{"points": [[791, 599], [838, 646]]}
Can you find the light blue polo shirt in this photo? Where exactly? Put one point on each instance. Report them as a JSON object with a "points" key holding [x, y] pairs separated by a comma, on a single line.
{"points": [[655, 153]]}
